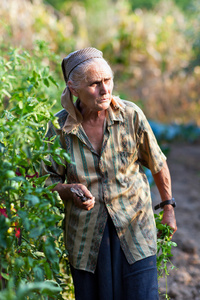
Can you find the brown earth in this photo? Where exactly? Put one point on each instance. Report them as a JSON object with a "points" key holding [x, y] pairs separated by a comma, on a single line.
{"points": [[184, 164]]}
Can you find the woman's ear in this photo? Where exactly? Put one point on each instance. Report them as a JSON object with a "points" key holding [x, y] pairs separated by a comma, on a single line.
{"points": [[72, 90]]}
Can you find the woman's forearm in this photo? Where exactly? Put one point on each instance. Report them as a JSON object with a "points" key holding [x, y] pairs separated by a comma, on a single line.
{"points": [[163, 182]]}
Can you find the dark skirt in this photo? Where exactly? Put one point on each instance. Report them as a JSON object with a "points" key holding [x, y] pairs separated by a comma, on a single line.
{"points": [[114, 278]]}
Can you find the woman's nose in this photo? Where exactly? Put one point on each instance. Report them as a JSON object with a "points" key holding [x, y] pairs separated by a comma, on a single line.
{"points": [[104, 88]]}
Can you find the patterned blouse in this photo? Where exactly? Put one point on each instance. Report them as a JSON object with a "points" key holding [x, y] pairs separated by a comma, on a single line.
{"points": [[115, 178]]}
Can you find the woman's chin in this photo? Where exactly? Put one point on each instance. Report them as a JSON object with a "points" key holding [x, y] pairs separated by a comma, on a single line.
{"points": [[104, 104]]}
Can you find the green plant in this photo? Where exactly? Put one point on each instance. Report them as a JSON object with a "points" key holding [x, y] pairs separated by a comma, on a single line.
{"points": [[164, 247], [31, 242]]}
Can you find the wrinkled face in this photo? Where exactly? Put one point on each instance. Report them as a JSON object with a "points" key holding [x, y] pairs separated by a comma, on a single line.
{"points": [[95, 89]]}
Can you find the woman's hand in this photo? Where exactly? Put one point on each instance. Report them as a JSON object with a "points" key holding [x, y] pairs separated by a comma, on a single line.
{"points": [[65, 193], [86, 204], [169, 217]]}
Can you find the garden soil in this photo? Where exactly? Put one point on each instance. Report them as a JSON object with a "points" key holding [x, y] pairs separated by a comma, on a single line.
{"points": [[184, 280]]}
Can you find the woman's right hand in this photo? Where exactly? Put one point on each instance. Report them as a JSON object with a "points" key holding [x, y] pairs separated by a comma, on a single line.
{"points": [[65, 193]]}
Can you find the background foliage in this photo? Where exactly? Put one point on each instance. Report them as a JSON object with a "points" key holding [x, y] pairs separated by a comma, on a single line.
{"points": [[155, 52]]}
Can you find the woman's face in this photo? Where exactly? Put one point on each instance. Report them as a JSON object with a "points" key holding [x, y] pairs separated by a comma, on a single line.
{"points": [[95, 90]]}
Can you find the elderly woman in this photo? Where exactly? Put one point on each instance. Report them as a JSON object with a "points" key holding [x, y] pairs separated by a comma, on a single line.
{"points": [[110, 231]]}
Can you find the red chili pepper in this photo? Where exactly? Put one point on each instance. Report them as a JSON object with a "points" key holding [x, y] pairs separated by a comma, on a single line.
{"points": [[17, 232]]}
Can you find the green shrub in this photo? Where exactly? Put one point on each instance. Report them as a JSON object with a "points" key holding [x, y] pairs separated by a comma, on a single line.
{"points": [[31, 245]]}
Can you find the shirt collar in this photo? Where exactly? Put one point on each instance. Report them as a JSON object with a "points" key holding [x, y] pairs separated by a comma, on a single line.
{"points": [[74, 118], [115, 111]]}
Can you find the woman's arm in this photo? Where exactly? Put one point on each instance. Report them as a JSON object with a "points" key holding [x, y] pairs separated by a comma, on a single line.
{"points": [[163, 182]]}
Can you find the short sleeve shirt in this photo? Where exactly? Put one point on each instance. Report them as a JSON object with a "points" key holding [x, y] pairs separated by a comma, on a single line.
{"points": [[116, 179]]}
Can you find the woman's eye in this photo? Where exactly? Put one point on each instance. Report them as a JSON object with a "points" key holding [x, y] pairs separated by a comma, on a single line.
{"points": [[94, 83]]}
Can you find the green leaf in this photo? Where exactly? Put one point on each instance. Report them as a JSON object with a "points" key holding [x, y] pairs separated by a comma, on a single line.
{"points": [[48, 287], [41, 179], [50, 187], [67, 157], [32, 199], [160, 226], [58, 160], [20, 104], [46, 82], [6, 93], [38, 254], [38, 273], [47, 162], [50, 251], [37, 231], [19, 262], [48, 271], [56, 124], [5, 276], [53, 81], [35, 75], [27, 151]]}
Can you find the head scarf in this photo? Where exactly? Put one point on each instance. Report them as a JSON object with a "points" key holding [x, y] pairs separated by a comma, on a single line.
{"points": [[70, 62], [76, 58]]}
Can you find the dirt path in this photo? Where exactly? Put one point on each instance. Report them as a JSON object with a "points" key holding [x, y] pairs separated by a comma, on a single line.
{"points": [[184, 164]]}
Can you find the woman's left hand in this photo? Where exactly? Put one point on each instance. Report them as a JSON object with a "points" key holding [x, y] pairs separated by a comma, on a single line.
{"points": [[169, 217]]}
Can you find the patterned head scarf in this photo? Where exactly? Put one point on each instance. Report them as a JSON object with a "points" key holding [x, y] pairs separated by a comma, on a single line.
{"points": [[74, 59], [69, 63]]}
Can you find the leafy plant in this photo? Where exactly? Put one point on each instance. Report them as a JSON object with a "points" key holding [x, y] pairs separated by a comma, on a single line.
{"points": [[31, 242], [164, 247]]}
